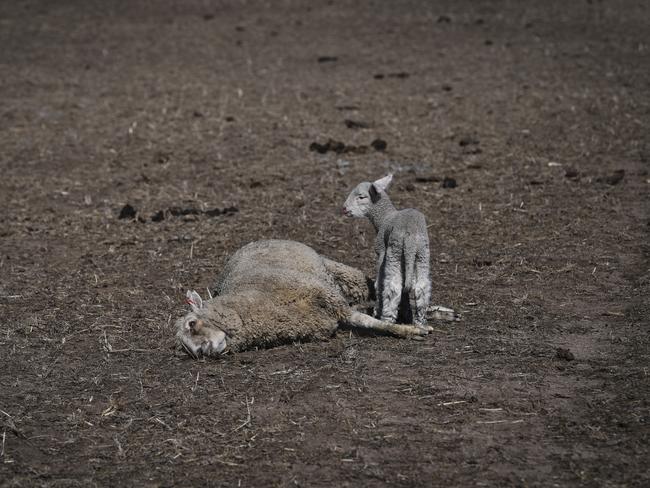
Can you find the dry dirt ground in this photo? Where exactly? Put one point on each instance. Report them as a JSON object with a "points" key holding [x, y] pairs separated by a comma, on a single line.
{"points": [[539, 111]]}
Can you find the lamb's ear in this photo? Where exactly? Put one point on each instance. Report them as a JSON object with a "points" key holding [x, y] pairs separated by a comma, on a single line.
{"points": [[194, 300], [383, 183]]}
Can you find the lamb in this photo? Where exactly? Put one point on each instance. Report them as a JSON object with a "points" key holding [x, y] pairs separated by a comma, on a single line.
{"points": [[402, 248], [274, 292]]}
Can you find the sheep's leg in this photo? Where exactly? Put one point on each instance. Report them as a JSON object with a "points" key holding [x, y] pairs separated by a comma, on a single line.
{"points": [[363, 321], [354, 284], [422, 288], [379, 284], [391, 286], [438, 312]]}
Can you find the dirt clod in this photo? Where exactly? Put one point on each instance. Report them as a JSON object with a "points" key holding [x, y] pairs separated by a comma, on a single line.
{"points": [[564, 353], [613, 179], [449, 182], [128, 212], [355, 124], [379, 145]]}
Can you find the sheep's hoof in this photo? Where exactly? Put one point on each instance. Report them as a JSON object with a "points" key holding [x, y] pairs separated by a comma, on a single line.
{"points": [[437, 312]]}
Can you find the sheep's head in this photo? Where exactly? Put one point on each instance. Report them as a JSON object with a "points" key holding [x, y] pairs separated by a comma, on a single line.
{"points": [[364, 196], [201, 331]]}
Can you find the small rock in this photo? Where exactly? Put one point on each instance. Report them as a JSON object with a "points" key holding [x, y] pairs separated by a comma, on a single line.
{"points": [[447, 87], [409, 187], [402, 75], [229, 119], [444, 19], [564, 353], [571, 173], [378, 76], [159, 216], [128, 212], [327, 59]]}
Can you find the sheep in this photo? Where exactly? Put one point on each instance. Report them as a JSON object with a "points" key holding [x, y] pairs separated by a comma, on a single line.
{"points": [[274, 292], [402, 248]]}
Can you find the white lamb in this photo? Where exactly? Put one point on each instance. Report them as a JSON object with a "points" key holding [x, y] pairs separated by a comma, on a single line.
{"points": [[277, 292], [402, 247]]}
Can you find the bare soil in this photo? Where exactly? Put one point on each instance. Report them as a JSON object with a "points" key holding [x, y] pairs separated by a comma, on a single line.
{"points": [[519, 128]]}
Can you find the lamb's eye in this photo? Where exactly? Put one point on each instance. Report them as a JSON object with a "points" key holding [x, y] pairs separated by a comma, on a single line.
{"points": [[362, 197], [192, 324]]}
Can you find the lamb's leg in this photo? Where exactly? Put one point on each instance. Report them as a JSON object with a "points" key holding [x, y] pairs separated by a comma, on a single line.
{"points": [[391, 286], [363, 321], [355, 286], [422, 287], [379, 284]]}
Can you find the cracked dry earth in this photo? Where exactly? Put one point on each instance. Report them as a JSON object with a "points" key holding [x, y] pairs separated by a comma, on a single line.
{"points": [[520, 129]]}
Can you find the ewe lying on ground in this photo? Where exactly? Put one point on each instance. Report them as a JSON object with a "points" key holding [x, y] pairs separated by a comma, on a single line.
{"points": [[278, 292]]}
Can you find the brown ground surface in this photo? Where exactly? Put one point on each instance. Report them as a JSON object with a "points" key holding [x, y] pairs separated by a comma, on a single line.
{"points": [[214, 104]]}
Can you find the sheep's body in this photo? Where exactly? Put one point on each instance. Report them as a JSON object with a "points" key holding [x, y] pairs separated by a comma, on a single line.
{"points": [[402, 248], [276, 292]]}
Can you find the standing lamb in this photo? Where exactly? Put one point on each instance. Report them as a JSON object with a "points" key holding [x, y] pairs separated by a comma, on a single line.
{"points": [[402, 247], [277, 292]]}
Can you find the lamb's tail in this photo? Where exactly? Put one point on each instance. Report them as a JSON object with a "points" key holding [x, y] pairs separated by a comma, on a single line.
{"points": [[409, 267]]}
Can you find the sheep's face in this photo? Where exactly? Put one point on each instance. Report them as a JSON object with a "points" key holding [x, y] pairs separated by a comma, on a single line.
{"points": [[364, 196], [199, 338], [198, 332]]}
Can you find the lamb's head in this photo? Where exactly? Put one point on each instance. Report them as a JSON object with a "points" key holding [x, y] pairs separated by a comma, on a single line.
{"points": [[201, 331], [364, 196]]}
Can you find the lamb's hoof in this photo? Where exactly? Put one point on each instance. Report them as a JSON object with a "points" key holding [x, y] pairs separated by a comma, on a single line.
{"points": [[436, 312]]}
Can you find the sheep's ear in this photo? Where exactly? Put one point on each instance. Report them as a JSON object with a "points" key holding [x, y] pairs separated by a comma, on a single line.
{"points": [[383, 183], [194, 300]]}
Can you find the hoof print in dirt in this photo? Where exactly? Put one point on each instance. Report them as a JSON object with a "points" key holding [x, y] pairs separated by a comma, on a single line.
{"points": [[449, 183], [613, 179], [564, 353]]}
